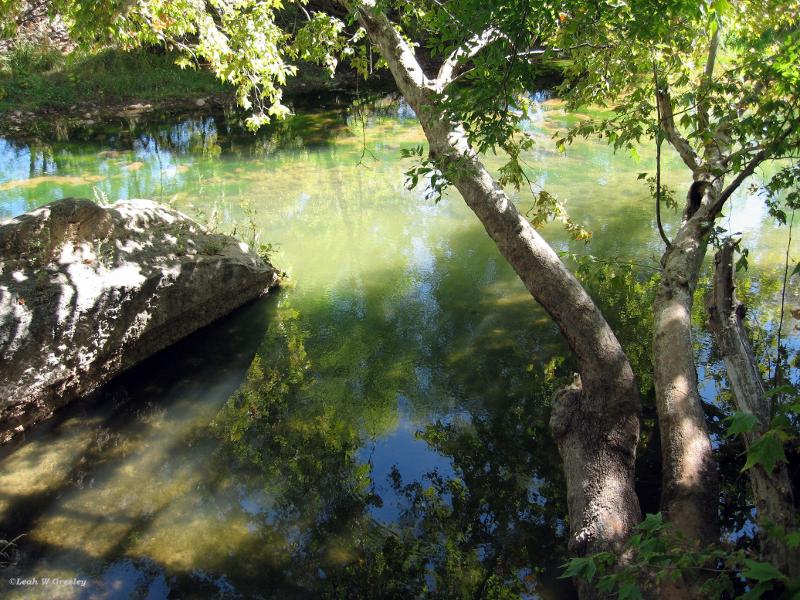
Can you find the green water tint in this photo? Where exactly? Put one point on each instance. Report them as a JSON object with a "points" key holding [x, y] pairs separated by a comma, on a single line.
{"points": [[378, 428]]}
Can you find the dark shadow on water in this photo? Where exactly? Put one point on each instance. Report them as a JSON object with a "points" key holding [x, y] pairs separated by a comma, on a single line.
{"points": [[217, 355]]}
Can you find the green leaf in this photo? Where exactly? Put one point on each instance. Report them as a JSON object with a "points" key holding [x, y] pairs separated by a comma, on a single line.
{"points": [[582, 568], [722, 7], [607, 583], [796, 270], [766, 450], [783, 389], [651, 547], [793, 539], [781, 423], [713, 27], [629, 591], [741, 263], [740, 422], [761, 571], [758, 591], [651, 523]]}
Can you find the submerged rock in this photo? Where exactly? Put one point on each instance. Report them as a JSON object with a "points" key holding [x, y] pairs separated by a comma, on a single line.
{"points": [[87, 291]]}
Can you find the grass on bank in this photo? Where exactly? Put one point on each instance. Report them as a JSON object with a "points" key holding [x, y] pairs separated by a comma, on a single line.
{"points": [[34, 78]]}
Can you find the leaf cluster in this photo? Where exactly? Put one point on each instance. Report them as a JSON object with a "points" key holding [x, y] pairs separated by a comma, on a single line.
{"points": [[767, 449], [659, 554]]}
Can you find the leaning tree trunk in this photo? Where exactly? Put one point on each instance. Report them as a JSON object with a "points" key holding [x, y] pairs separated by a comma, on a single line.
{"points": [[772, 490], [690, 493], [596, 420]]}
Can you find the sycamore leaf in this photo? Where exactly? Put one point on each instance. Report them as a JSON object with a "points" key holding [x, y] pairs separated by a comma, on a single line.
{"points": [[723, 7], [741, 263], [651, 523], [582, 568], [629, 591], [607, 584], [766, 450], [793, 539], [760, 571], [740, 422], [783, 389], [758, 591], [782, 424]]}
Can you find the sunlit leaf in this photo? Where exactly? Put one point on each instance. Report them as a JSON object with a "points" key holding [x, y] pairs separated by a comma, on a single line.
{"points": [[740, 422]]}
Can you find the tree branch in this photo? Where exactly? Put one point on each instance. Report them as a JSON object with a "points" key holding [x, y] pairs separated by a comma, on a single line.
{"points": [[667, 122], [395, 50], [464, 52], [556, 50], [749, 169], [658, 164], [533, 53], [708, 77]]}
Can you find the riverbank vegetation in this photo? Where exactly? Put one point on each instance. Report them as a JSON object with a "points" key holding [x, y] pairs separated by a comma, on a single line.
{"points": [[39, 79], [40, 82], [718, 84]]}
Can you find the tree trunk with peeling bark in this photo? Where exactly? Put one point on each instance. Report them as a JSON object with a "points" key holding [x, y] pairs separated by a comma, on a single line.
{"points": [[690, 492], [690, 482], [596, 420], [772, 490]]}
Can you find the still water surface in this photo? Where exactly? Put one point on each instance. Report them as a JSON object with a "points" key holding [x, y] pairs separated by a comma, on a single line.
{"points": [[377, 428]]}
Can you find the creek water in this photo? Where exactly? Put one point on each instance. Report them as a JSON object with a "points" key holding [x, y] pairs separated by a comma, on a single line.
{"points": [[376, 428]]}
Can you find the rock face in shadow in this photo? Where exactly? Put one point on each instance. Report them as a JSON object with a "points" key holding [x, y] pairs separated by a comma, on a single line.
{"points": [[87, 291]]}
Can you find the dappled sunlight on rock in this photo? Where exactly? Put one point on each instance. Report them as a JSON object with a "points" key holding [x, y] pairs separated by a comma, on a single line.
{"points": [[87, 291]]}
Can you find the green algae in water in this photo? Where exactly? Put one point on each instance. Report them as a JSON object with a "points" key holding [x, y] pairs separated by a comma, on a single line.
{"points": [[376, 429]]}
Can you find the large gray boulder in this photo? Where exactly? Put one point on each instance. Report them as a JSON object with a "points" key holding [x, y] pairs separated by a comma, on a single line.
{"points": [[87, 291]]}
